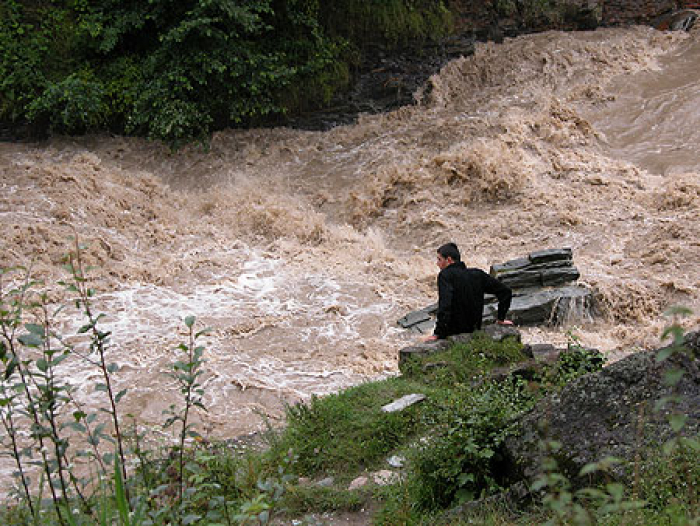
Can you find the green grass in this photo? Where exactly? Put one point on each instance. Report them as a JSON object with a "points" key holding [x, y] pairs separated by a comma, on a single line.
{"points": [[313, 499], [348, 432]]}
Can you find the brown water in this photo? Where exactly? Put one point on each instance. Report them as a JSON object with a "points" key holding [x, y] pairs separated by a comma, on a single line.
{"points": [[301, 249]]}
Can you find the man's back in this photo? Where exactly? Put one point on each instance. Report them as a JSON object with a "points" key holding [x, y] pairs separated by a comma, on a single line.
{"points": [[461, 299]]}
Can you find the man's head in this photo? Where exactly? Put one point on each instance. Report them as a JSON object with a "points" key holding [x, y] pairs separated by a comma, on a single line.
{"points": [[447, 254]]}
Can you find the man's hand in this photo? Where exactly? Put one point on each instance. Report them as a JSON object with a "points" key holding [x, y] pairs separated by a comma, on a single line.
{"points": [[430, 338], [504, 322]]}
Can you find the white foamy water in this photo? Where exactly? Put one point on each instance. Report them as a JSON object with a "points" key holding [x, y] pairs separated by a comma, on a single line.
{"points": [[300, 250]]}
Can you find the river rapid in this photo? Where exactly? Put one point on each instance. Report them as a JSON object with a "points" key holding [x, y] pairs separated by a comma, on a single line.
{"points": [[301, 249]]}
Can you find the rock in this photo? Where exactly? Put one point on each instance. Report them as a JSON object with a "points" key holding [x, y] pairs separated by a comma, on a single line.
{"points": [[552, 306], [325, 483], [682, 20], [539, 276], [385, 477], [601, 414], [542, 352], [396, 461], [422, 349], [542, 268], [527, 370], [434, 365], [358, 483], [540, 295], [403, 402], [416, 317], [498, 333], [549, 255]]}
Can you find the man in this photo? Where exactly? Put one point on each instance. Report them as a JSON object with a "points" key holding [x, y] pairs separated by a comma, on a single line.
{"points": [[461, 295]]}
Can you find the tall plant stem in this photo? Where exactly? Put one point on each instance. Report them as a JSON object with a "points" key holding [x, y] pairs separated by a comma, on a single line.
{"points": [[9, 425], [98, 344], [31, 405], [188, 404], [9, 329]]}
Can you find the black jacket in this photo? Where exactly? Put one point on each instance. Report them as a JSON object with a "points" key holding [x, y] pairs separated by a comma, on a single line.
{"points": [[461, 299]]}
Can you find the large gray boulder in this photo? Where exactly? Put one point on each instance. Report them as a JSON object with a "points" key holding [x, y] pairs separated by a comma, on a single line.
{"points": [[610, 413]]}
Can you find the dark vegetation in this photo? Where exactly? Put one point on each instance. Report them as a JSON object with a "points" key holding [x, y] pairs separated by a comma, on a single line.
{"points": [[177, 70]]}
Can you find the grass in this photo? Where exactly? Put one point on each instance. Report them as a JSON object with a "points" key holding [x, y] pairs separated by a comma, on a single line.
{"points": [[348, 432]]}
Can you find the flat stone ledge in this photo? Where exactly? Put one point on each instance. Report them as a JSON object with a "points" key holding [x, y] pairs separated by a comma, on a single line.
{"points": [[403, 402]]}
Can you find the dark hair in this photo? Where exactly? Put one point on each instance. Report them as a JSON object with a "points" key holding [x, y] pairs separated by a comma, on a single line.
{"points": [[450, 250]]}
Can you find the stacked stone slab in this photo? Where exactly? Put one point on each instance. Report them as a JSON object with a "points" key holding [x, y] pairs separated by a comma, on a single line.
{"points": [[542, 289], [543, 293]]}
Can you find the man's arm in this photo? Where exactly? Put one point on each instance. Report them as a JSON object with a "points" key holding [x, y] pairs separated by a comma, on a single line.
{"points": [[444, 312], [503, 294]]}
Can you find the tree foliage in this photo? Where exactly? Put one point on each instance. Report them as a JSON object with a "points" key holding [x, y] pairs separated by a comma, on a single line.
{"points": [[176, 70]]}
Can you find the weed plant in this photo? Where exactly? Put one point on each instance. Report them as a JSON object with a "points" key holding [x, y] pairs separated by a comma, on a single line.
{"points": [[74, 467]]}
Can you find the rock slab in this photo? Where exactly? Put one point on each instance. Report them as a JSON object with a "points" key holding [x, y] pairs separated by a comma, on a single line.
{"points": [[403, 402], [543, 293], [611, 413]]}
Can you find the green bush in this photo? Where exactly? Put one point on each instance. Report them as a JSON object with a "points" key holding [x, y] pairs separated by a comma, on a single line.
{"points": [[176, 71], [460, 459], [388, 22]]}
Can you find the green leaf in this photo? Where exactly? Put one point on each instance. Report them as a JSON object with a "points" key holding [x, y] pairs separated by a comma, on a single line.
{"points": [[101, 387], [677, 421], [663, 354], [31, 340], [203, 332], [85, 328], [588, 469], [42, 365], [120, 494], [661, 402], [58, 359], [113, 368], [189, 321], [673, 376], [669, 447], [119, 395], [678, 310], [33, 328]]}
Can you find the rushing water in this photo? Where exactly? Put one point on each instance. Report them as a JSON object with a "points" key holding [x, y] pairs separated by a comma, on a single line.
{"points": [[300, 249]]}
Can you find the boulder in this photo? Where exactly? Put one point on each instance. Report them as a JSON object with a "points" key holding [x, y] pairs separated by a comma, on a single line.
{"points": [[421, 349], [556, 306], [610, 413], [544, 275], [542, 268], [682, 20]]}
